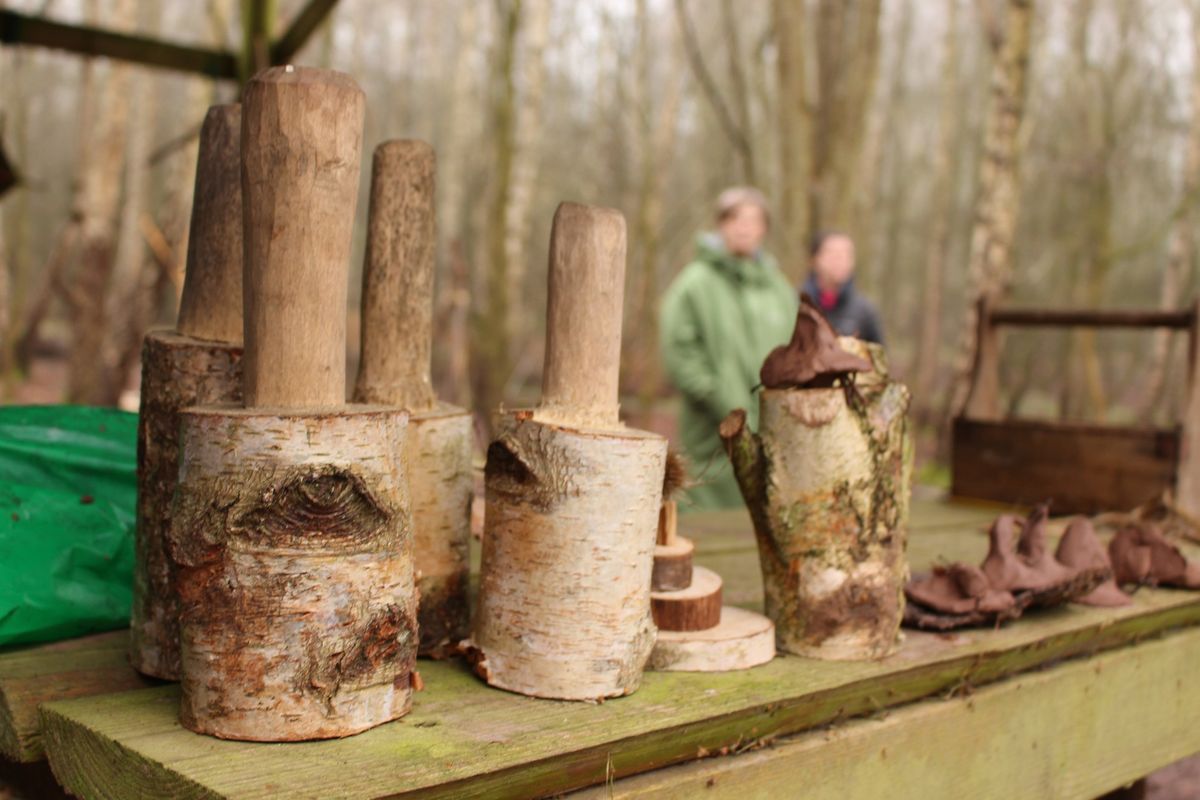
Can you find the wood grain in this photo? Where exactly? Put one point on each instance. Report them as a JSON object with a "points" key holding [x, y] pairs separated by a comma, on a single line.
{"points": [[1078, 468], [583, 316], [301, 141], [210, 307], [1059, 733], [82, 667], [397, 290]]}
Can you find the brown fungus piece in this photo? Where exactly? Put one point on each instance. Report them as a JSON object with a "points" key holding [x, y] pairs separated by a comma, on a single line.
{"points": [[813, 358], [1140, 555], [1081, 549]]}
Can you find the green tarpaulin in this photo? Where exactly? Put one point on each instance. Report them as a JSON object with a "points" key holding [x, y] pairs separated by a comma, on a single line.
{"points": [[68, 490]]}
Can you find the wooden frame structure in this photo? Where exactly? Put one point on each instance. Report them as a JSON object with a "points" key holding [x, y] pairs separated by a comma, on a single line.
{"points": [[1080, 467], [258, 50]]}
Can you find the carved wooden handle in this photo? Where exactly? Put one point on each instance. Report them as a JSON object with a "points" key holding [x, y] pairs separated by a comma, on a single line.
{"points": [[583, 315], [211, 304], [301, 142], [397, 302]]}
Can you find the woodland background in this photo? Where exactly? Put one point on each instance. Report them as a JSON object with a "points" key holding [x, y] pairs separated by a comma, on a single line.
{"points": [[1039, 152]]}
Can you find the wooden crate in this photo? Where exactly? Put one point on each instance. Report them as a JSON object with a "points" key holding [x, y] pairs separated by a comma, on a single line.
{"points": [[1079, 468]]}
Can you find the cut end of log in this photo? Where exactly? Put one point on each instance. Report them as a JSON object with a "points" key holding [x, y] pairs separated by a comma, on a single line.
{"points": [[210, 306], [695, 608], [733, 424], [673, 565], [583, 316]]}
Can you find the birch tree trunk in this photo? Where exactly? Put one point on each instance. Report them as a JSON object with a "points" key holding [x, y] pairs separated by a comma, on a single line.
{"points": [[939, 237], [827, 481], [573, 497], [997, 203], [1181, 241], [292, 536]]}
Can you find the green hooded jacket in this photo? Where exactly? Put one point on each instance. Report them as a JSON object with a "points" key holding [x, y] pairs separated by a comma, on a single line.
{"points": [[720, 318]]}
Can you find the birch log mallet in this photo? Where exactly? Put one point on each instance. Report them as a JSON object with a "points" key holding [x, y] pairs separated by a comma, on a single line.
{"points": [[827, 480], [397, 337], [291, 526], [573, 496], [196, 364]]}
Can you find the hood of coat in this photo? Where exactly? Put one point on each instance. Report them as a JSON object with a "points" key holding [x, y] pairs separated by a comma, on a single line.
{"points": [[710, 248]]}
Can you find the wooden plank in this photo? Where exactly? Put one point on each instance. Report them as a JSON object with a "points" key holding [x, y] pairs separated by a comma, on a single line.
{"points": [[29, 30], [465, 740], [80, 667], [1081, 468], [1073, 731], [1092, 318]]}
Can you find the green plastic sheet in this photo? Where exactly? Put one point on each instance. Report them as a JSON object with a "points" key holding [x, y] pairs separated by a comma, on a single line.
{"points": [[68, 494]]}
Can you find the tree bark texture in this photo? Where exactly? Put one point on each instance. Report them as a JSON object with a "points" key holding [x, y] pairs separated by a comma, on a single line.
{"points": [[442, 487], [177, 372], [827, 482], [564, 596], [292, 536]]}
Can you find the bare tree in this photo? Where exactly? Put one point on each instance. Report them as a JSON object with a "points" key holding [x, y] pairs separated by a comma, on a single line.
{"points": [[997, 202]]}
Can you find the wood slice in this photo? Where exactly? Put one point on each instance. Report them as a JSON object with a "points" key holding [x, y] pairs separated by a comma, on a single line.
{"points": [[586, 296], [177, 372], [442, 487], [827, 482], [742, 640], [673, 565], [568, 548], [292, 538], [696, 608]]}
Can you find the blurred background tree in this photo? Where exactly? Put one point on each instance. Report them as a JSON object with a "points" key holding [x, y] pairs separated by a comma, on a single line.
{"points": [[1044, 153]]}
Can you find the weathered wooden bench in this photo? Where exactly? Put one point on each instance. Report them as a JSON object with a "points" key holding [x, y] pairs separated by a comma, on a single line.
{"points": [[1067, 703]]}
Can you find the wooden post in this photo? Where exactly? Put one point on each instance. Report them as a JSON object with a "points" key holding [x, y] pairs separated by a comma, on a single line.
{"points": [[983, 398], [397, 336], [199, 363], [1187, 483], [291, 525], [573, 497], [827, 481]]}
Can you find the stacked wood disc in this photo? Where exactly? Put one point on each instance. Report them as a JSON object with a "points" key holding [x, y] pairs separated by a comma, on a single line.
{"points": [[198, 363], [397, 336], [695, 633], [573, 496], [291, 526], [827, 480]]}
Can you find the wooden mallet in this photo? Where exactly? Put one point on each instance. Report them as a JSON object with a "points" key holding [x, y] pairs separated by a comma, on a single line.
{"points": [[196, 364], [573, 496], [291, 524], [397, 339]]}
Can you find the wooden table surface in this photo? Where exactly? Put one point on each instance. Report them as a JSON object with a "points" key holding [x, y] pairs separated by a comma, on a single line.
{"points": [[1073, 728]]}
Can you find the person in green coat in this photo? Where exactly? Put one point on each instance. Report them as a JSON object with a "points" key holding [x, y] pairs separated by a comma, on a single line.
{"points": [[720, 318]]}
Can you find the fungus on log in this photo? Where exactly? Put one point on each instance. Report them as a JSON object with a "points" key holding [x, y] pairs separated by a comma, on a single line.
{"points": [[826, 480], [573, 496], [198, 363], [291, 526], [397, 336]]}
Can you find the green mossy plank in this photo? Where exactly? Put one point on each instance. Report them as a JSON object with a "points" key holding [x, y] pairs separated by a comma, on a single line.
{"points": [[466, 740], [1077, 730], [80, 667]]}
